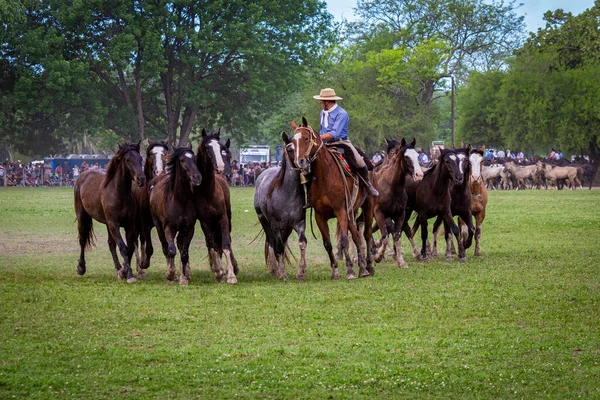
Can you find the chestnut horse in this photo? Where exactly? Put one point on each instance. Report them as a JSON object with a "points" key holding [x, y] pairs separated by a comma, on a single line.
{"points": [[172, 205], [154, 165], [213, 203], [107, 197], [479, 195], [389, 179], [329, 194]]}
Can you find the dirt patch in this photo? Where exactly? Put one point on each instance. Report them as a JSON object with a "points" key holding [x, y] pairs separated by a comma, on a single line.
{"points": [[15, 244]]}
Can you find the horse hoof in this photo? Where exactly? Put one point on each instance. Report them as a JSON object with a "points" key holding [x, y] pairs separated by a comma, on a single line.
{"points": [[350, 276], [300, 278], [463, 259], [170, 276], [141, 275], [335, 276], [449, 258], [364, 274], [183, 282], [478, 255], [80, 271], [131, 280], [371, 271], [403, 265], [283, 277], [120, 274], [232, 280]]}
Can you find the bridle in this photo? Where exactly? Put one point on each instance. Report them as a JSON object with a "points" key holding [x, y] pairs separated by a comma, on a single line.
{"points": [[313, 142]]}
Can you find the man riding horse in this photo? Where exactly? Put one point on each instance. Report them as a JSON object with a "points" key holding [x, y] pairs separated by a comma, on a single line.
{"points": [[334, 132]]}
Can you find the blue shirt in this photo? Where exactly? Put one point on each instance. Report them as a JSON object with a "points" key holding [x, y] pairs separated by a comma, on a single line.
{"points": [[338, 124]]}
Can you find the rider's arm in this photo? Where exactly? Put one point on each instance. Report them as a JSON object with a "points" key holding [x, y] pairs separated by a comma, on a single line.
{"points": [[339, 129]]}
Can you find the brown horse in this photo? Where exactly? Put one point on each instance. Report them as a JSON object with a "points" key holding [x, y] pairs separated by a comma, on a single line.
{"points": [[154, 165], [389, 179], [106, 196], [173, 209], [330, 194], [213, 203], [479, 195]]}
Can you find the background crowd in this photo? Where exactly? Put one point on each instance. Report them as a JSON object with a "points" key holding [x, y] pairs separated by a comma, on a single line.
{"points": [[41, 174]]}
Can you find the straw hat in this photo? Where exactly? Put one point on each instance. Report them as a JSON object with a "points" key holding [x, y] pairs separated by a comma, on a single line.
{"points": [[327, 94]]}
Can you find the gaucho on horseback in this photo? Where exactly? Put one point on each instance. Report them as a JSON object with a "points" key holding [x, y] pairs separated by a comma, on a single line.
{"points": [[334, 132]]}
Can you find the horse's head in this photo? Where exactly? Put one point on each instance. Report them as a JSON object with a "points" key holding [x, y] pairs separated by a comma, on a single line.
{"points": [[411, 160], [156, 156], [305, 143], [130, 158], [476, 161], [464, 165], [451, 162], [183, 161], [217, 152]]}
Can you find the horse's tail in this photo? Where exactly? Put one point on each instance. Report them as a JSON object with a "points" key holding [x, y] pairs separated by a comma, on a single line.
{"points": [[85, 226]]}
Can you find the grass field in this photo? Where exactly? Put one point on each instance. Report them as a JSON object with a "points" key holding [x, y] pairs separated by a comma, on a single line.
{"points": [[523, 322]]}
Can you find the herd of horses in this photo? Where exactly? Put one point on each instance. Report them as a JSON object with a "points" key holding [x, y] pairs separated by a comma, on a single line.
{"points": [[174, 189], [538, 173]]}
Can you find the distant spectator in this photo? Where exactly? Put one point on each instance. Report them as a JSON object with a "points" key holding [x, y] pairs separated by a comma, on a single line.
{"points": [[423, 159], [501, 154], [75, 172], [376, 157], [47, 171], [559, 154], [552, 155], [490, 155], [520, 155]]}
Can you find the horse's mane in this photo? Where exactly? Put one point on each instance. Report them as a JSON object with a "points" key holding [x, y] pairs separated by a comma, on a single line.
{"points": [[478, 151], [443, 153], [113, 164], [147, 171], [171, 166], [279, 178]]}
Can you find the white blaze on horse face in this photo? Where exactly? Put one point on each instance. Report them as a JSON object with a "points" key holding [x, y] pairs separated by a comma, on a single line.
{"points": [[216, 148], [475, 161], [158, 153], [461, 158], [296, 139], [414, 157]]}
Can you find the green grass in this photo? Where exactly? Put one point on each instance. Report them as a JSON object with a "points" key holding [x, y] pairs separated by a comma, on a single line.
{"points": [[523, 322]]}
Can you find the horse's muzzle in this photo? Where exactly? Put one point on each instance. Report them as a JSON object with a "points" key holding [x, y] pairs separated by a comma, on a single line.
{"points": [[140, 180], [196, 180], [417, 177], [304, 166], [458, 180]]}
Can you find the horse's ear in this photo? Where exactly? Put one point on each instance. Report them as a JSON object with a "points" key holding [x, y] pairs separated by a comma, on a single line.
{"points": [[482, 148], [414, 142], [403, 142], [204, 133], [228, 143], [148, 141], [468, 149], [462, 144], [189, 145], [304, 123], [284, 137], [293, 125], [139, 143], [218, 135]]}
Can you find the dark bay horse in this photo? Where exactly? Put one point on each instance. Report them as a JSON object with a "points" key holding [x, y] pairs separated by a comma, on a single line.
{"points": [[330, 194], [460, 205], [278, 202], [433, 198], [213, 203], [156, 156], [107, 197], [172, 205], [389, 179]]}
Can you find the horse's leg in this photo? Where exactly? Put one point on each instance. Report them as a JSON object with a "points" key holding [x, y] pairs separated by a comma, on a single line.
{"points": [[368, 236], [413, 244], [171, 252], [85, 233], [357, 239], [449, 241], [397, 235], [434, 233], [478, 223], [468, 229], [301, 273], [340, 252], [226, 246], [383, 242], [112, 246], [449, 220], [324, 228], [423, 222], [183, 244], [130, 234], [147, 248]]}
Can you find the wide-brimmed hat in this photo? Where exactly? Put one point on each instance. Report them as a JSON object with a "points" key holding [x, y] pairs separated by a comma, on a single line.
{"points": [[327, 94]]}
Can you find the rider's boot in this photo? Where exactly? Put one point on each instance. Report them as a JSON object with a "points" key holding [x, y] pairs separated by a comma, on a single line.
{"points": [[364, 174]]}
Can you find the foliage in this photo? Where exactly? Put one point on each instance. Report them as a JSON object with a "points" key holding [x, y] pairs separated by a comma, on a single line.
{"points": [[521, 322], [548, 98]]}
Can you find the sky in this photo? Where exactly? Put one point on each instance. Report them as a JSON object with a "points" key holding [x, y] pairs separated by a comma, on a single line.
{"points": [[532, 10]]}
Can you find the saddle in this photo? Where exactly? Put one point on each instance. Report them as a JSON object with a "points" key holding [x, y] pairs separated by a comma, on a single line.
{"points": [[340, 159]]}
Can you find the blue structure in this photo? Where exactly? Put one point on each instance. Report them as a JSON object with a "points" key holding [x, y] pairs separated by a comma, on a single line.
{"points": [[78, 159]]}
